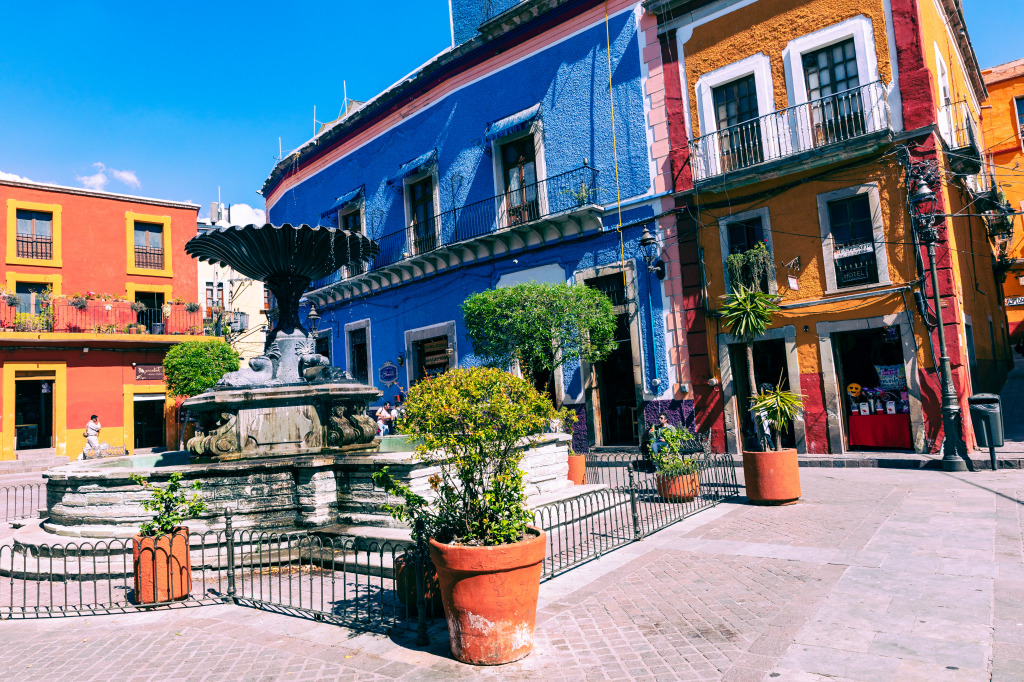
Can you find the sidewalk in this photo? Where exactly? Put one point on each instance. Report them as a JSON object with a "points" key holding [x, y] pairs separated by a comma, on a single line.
{"points": [[878, 574]]}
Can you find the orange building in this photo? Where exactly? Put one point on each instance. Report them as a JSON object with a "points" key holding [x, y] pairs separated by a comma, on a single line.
{"points": [[94, 289], [1003, 123], [798, 131]]}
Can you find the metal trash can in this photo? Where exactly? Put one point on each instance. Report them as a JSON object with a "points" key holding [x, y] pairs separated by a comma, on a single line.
{"points": [[988, 407]]}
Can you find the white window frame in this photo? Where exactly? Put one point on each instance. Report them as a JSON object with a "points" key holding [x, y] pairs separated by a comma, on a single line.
{"points": [[766, 228], [878, 233], [536, 129], [1019, 127], [942, 81], [350, 327], [410, 231], [758, 65]]}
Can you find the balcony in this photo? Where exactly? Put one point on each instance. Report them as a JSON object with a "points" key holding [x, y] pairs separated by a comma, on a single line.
{"points": [[35, 246], [810, 133], [114, 318], [532, 215], [959, 132], [149, 258]]}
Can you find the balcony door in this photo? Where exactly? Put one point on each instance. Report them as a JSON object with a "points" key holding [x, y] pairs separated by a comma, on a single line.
{"points": [[835, 101], [739, 128], [519, 170], [421, 211]]}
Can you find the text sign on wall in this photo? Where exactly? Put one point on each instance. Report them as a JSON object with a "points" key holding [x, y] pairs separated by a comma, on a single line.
{"points": [[388, 373], [149, 372], [1014, 300]]}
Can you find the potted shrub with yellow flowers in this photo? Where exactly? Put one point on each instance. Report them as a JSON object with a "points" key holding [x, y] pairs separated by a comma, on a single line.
{"points": [[163, 565], [475, 426], [772, 477]]}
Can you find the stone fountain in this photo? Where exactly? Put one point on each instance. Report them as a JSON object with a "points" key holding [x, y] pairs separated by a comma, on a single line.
{"points": [[290, 401]]}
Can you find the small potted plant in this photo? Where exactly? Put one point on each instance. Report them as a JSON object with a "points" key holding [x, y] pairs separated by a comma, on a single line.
{"points": [[192, 307], [163, 566], [577, 463], [11, 299], [675, 476], [138, 306], [474, 425], [771, 477]]}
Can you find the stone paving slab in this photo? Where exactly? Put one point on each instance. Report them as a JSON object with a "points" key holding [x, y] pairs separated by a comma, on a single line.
{"points": [[878, 574]]}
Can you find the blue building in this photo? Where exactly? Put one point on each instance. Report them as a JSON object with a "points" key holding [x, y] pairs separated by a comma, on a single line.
{"points": [[494, 164]]}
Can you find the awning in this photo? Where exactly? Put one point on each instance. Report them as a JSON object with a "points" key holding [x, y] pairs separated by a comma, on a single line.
{"points": [[343, 201], [512, 124], [415, 166]]}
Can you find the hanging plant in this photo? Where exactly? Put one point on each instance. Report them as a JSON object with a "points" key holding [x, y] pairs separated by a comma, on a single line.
{"points": [[138, 306], [752, 268], [191, 307], [79, 302], [11, 299]]}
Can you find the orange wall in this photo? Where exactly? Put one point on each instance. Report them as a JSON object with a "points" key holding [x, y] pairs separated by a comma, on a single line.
{"points": [[94, 246]]}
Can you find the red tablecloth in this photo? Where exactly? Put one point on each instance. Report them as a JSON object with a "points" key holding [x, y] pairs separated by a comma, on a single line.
{"points": [[880, 431]]}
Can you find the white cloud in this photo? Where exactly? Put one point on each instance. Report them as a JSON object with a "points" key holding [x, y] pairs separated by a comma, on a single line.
{"points": [[244, 214], [13, 177], [126, 177], [99, 179]]}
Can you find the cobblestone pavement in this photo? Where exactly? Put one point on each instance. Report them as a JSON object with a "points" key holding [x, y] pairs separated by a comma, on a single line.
{"points": [[876, 575]]}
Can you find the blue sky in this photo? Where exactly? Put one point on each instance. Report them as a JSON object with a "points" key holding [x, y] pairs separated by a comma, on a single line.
{"points": [[171, 100]]}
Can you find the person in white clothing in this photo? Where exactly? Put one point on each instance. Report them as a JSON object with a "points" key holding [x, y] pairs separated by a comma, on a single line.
{"points": [[92, 436]]}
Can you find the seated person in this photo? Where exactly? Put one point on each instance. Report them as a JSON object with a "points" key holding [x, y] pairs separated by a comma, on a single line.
{"points": [[657, 432]]}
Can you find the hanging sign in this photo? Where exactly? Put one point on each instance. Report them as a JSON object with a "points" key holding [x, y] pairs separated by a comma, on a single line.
{"points": [[388, 373], [1014, 300], [149, 372]]}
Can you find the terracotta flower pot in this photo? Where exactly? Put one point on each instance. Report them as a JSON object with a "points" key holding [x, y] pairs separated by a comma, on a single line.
{"points": [[681, 488], [578, 469], [405, 586], [772, 478], [163, 567], [490, 597]]}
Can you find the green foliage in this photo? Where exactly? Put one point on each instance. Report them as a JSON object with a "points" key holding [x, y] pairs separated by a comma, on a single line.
{"points": [[543, 326], [583, 195], [191, 367], [746, 313], [170, 505], [12, 299], [780, 407], [28, 322], [475, 425], [669, 460], [751, 269]]}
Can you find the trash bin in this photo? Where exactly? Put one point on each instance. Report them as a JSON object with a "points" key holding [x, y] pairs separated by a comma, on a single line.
{"points": [[988, 407]]}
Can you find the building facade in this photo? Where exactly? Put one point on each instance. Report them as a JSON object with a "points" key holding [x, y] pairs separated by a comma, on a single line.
{"points": [[1003, 123], [798, 131], [534, 149], [95, 291]]}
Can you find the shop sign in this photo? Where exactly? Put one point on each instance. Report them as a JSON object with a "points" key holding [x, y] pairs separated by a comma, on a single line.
{"points": [[388, 373], [853, 250], [149, 372], [1014, 300]]}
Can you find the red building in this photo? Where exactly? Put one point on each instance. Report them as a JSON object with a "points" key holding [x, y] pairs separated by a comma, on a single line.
{"points": [[95, 292]]}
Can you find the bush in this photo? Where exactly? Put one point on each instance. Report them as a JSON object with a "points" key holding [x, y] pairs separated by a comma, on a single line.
{"points": [[169, 505], [191, 367], [669, 460], [474, 425]]}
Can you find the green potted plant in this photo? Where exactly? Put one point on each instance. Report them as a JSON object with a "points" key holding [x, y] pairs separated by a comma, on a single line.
{"points": [[770, 476], [675, 476], [567, 419], [163, 566], [475, 425]]}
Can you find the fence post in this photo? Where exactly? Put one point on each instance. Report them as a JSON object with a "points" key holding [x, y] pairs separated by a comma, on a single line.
{"points": [[229, 534], [422, 638], [637, 531]]}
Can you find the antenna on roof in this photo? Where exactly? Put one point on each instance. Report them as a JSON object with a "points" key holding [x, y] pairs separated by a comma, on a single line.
{"points": [[344, 102], [315, 122], [280, 154]]}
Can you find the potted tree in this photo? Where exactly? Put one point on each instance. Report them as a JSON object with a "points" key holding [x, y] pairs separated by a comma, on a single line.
{"points": [[475, 425], [163, 566], [675, 476], [771, 477]]}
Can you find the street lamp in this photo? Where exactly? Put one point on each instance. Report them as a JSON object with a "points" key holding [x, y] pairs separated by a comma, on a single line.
{"points": [[652, 254], [925, 207], [313, 318]]}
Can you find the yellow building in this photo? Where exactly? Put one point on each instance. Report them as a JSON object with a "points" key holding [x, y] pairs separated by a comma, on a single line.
{"points": [[797, 130], [1003, 122]]}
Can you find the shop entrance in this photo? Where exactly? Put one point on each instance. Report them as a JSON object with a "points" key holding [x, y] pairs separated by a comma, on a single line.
{"points": [[149, 420], [33, 413], [432, 357], [616, 389], [873, 387], [770, 368]]}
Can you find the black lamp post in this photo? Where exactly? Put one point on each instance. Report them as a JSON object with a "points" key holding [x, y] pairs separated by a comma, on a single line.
{"points": [[925, 207], [313, 318], [652, 254]]}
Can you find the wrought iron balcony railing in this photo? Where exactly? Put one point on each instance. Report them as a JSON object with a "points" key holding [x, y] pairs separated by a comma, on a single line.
{"points": [[101, 317], [520, 206], [34, 246], [958, 127], [147, 257], [820, 123]]}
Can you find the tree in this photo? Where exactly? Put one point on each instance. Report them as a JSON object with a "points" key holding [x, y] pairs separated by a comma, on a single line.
{"points": [[191, 367], [543, 326]]}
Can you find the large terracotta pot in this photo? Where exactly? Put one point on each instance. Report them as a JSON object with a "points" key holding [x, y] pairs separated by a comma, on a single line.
{"points": [[772, 478], [405, 586], [681, 488], [578, 469], [163, 567], [490, 597]]}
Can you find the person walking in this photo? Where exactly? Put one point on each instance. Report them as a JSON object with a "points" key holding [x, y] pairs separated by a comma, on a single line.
{"points": [[384, 419], [92, 436]]}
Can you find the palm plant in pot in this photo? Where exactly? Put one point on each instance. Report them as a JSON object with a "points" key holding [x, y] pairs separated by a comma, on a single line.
{"points": [[771, 476], [163, 566], [475, 426], [675, 476]]}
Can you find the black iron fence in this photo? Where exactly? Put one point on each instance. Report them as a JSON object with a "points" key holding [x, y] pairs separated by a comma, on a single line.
{"points": [[21, 501]]}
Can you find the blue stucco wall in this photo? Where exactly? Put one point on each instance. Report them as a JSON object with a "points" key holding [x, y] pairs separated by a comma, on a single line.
{"points": [[467, 15]]}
